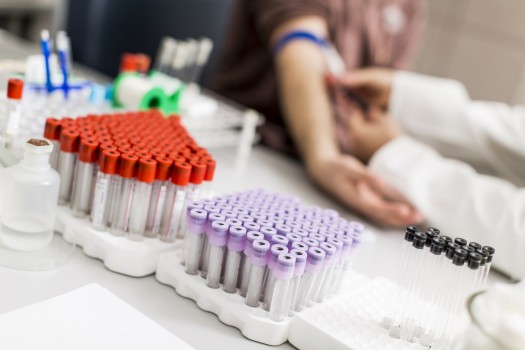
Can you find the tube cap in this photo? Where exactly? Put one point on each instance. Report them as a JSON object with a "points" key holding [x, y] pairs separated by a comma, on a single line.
{"points": [[460, 241], [460, 256], [311, 242], [433, 229], [293, 237], [108, 162], [491, 252], [475, 245], [197, 221], [87, 152], [419, 241], [52, 129], [315, 259], [69, 140], [198, 170], [285, 266], [283, 229], [146, 171], [233, 221], [163, 171], [218, 233], [430, 236], [474, 260], [330, 250], [277, 239], [300, 261], [260, 249], [268, 232], [181, 174], [127, 167], [210, 169], [251, 226], [437, 245], [15, 87], [409, 233], [484, 254], [451, 248], [299, 245], [236, 238]]}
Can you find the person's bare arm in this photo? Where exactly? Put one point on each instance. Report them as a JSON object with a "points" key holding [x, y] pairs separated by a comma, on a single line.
{"points": [[308, 114]]}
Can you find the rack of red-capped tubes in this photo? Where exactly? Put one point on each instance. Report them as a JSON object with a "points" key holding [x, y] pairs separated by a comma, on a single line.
{"points": [[132, 173]]}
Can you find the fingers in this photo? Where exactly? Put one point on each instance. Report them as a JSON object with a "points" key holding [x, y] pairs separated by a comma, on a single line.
{"points": [[385, 212], [357, 78]]}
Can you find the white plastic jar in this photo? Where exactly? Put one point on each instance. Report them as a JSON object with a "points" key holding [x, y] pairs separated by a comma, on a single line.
{"points": [[30, 196]]}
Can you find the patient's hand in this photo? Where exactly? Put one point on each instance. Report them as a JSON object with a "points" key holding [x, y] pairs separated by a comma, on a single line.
{"points": [[368, 134]]}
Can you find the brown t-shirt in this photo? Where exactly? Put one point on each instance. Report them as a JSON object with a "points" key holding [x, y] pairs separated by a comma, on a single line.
{"points": [[365, 32]]}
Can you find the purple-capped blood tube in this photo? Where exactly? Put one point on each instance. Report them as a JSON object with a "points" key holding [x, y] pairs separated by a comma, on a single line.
{"points": [[357, 226], [334, 269], [276, 239], [252, 226], [283, 272], [317, 236], [256, 215], [233, 221], [217, 241], [294, 225], [282, 229], [244, 278], [299, 245], [301, 232], [311, 242], [212, 209], [276, 220], [245, 218], [310, 229], [268, 232], [346, 262], [269, 279], [315, 261], [235, 244], [264, 222], [223, 205], [259, 260], [196, 230], [203, 264], [300, 264], [292, 237], [331, 251], [228, 213], [241, 211]]}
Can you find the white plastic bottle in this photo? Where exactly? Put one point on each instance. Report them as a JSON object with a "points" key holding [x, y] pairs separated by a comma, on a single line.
{"points": [[30, 196]]}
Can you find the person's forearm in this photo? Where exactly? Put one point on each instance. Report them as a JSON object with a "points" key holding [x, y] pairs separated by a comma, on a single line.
{"points": [[304, 100], [457, 200]]}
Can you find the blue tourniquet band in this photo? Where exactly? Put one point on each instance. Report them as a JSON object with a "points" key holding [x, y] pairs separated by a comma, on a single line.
{"points": [[298, 35]]}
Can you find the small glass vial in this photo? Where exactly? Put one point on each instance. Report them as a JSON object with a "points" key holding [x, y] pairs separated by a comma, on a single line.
{"points": [[30, 197]]}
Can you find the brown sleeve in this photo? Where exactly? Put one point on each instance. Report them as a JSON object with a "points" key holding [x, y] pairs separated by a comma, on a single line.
{"points": [[271, 14]]}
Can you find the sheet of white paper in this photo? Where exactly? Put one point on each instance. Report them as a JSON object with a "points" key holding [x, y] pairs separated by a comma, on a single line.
{"points": [[87, 318]]}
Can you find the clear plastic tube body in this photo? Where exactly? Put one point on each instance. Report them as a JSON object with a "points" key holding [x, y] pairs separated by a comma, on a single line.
{"points": [[231, 272], [55, 154], [83, 189], [101, 201], [283, 272], [159, 191], [203, 265], [138, 211], [259, 261], [196, 227], [213, 278], [245, 275], [122, 207], [114, 198], [12, 124], [314, 263], [192, 195], [171, 216], [66, 170]]}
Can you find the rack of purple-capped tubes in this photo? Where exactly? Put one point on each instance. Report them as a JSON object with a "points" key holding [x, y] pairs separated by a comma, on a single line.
{"points": [[436, 275], [275, 252]]}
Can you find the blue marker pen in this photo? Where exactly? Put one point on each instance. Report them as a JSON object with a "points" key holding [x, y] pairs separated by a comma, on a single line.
{"points": [[46, 51]]}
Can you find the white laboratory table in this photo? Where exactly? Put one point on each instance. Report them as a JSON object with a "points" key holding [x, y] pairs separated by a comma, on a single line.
{"points": [[202, 330]]}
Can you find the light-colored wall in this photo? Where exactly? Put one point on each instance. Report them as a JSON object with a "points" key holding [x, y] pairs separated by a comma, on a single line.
{"points": [[479, 42]]}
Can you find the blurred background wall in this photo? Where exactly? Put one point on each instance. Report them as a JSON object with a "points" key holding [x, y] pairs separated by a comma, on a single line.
{"points": [[479, 42]]}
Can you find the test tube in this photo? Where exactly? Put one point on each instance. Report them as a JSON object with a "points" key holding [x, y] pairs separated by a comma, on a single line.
{"points": [[69, 144], [283, 272], [107, 170], [208, 178], [196, 227], [299, 245], [15, 87], [277, 239], [124, 194], [269, 278], [324, 273], [52, 133], [217, 242], [333, 275], [244, 279], [158, 196], [314, 263], [259, 261], [268, 232], [171, 214], [85, 172], [203, 265], [141, 198], [198, 170], [236, 243], [300, 264]]}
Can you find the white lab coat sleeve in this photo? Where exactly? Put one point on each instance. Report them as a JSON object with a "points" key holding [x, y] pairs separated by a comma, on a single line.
{"points": [[456, 199], [489, 136]]}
